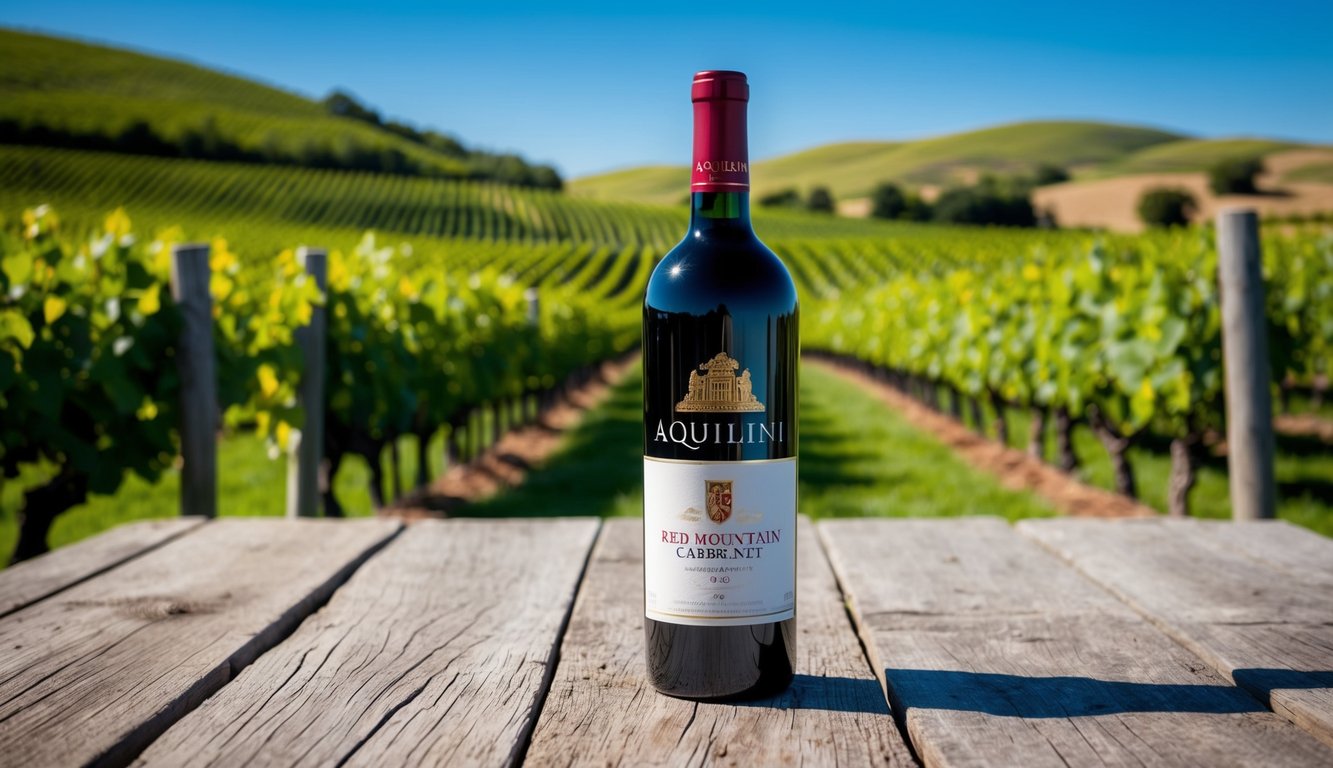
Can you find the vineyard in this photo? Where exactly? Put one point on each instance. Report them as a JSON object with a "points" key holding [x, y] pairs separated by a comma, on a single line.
{"points": [[433, 334], [413, 346], [1123, 333]]}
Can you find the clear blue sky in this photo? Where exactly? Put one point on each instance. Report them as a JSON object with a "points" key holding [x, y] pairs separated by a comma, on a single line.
{"points": [[595, 86]]}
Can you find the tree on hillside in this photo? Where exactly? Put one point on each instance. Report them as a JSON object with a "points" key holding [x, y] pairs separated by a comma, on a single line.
{"points": [[820, 200], [344, 104], [889, 201], [1235, 176], [1048, 173], [1167, 207], [783, 198], [989, 202]]}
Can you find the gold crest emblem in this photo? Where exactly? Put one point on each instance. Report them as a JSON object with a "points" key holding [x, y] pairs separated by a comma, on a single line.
{"points": [[719, 390], [717, 495]]}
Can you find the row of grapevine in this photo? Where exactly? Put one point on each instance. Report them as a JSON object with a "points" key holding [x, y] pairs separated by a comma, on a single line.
{"points": [[1123, 332], [260, 208], [87, 334], [211, 192]]}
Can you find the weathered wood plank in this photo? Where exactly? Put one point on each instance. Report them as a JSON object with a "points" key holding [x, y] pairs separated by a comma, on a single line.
{"points": [[37, 579], [437, 652], [1270, 632], [1306, 556], [96, 672], [996, 653], [602, 710]]}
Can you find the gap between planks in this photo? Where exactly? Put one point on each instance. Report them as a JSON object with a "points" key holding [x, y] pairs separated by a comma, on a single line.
{"points": [[31, 581]]}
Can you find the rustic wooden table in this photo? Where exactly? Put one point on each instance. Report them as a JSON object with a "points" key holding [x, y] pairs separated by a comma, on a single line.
{"points": [[1053, 642]]}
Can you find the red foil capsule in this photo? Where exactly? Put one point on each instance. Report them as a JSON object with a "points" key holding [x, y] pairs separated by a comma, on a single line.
{"points": [[721, 155]]}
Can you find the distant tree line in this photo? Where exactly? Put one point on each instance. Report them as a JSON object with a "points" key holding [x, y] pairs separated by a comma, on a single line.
{"points": [[1004, 201], [207, 142], [993, 200], [504, 168]]}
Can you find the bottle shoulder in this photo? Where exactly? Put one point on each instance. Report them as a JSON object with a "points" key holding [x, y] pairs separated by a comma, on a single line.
{"points": [[703, 272]]}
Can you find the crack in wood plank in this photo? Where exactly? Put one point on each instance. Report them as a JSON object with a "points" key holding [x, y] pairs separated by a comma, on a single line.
{"points": [[41, 578]]}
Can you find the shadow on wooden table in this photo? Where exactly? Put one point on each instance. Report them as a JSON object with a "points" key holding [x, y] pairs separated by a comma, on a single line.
{"points": [[832, 694], [1059, 697], [1262, 682]]}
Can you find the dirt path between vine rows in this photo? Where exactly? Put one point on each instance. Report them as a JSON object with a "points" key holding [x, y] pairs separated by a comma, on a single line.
{"points": [[1304, 425], [1014, 469], [507, 463]]}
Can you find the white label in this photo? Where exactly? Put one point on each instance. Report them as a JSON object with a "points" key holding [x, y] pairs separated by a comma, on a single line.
{"points": [[719, 543]]}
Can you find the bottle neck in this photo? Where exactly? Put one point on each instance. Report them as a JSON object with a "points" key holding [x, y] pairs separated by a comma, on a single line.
{"points": [[720, 168], [720, 213]]}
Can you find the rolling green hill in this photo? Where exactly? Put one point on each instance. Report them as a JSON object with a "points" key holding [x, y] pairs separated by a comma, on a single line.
{"points": [[66, 87], [852, 169], [1190, 155]]}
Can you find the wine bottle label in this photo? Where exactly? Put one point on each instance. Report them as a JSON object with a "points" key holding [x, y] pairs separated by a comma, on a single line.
{"points": [[719, 541]]}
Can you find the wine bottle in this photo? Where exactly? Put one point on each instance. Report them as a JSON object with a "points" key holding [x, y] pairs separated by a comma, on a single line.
{"points": [[720, 355]]}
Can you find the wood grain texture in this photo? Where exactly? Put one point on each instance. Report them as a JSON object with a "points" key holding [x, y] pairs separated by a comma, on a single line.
{"points": [[437, 652], [1303, 554], [996, 653], [96, 672], [603, 711], [33, 580], [1258, 624]]}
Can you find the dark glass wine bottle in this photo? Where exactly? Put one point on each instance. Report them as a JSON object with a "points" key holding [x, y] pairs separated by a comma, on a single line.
{"points": [[720, 355]]}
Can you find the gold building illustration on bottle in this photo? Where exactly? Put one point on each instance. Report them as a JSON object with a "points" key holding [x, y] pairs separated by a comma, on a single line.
{"points": [[719, 390]]}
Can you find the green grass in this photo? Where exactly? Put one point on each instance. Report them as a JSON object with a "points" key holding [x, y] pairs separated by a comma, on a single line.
{"points": [[1303, 403], [852, 169], [1304, 470], [858, 458], [250, 484]]}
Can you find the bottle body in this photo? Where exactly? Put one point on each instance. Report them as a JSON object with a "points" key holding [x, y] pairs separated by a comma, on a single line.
{"points": [[721, 350]]}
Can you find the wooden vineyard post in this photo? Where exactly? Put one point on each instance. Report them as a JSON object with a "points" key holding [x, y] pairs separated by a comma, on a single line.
{"points": [[199, 385], [304, 458], [534, 316], [1250, 446]]}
